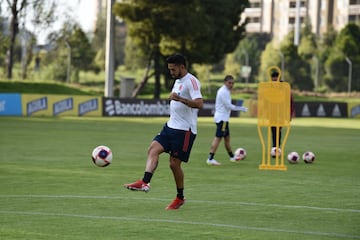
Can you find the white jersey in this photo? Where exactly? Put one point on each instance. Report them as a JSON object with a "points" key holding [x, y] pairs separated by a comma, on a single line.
{"points": [[181, 116], [223, 105]]}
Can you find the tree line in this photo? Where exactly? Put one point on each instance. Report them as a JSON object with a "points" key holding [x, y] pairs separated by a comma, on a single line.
{"points": [[210, 33]]}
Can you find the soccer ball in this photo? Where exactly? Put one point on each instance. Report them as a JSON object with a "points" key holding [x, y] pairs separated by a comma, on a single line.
{"points": [[240, 154], [275, 151], [101, 156], [308, 157], [293, 157]]}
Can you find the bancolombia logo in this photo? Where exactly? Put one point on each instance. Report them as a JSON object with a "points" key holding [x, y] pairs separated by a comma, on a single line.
{"points": [[129, 107]]}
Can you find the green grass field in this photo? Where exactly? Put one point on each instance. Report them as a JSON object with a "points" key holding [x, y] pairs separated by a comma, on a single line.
{"points": [[50, 189]]}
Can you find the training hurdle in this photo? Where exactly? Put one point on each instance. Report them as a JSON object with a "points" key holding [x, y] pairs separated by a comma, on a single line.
{"points": [[273, 111]]}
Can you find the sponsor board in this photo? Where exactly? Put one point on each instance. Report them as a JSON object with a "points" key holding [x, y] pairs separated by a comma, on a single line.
{"points": [[60, 105], [10, 104], [145, 107], [64, 105], [354, 109], [313, 109], [89, 106], [135, 107], [14, 104], [321, 109]]}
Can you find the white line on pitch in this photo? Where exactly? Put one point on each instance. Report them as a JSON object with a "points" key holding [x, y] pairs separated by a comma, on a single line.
{"points": [[339, 235], [195, 201]]}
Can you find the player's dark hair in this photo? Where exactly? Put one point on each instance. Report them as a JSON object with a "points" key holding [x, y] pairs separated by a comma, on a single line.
{"points": [[275, 74], [228, 78], [177, 59]]}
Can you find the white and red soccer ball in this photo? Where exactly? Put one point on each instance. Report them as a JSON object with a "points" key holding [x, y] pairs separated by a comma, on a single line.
{"points": [[102, 156], [240, 154], [308, 157], [293, 157], [275, 151]]}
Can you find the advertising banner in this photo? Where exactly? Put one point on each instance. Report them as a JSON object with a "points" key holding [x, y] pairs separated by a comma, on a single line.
{"points": [[135, 107], [321, 109], [14, 104], [313, 109], [354, 109], [10, 104], [145, 107], [60, 105]]}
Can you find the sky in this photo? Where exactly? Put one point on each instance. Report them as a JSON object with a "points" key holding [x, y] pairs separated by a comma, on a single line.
{"points": [[82, 11]]}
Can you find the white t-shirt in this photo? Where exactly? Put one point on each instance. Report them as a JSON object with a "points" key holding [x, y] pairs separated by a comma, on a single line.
{"points": [[181, 116], [223, 105]]}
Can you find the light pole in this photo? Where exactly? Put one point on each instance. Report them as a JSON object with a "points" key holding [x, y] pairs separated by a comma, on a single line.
{"points": [[247, 65], [350, 73], [109, 58]]}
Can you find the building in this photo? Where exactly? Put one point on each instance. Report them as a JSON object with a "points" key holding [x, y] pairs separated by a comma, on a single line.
{"points": [[279, 16]]}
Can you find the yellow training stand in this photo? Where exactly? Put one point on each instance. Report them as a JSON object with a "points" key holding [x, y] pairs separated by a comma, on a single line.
{"points": [[273, 111]]}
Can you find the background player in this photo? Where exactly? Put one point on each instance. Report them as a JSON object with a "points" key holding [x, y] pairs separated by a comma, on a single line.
{"points": [[275, 77], [223, 108]]}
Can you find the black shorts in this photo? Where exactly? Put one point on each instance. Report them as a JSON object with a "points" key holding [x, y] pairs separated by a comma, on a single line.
{"points": [[222, 129], [177, 143]]}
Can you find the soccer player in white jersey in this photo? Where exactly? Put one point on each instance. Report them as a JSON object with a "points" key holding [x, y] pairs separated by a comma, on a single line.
{"points": [[179, 132], [223, 108]]}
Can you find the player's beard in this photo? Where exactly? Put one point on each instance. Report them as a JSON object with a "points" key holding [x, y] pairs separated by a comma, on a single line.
{"points": [[177, 76]]}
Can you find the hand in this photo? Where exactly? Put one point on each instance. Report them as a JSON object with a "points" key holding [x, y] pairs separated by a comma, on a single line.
{"points": [[243, 109], [174, 96]]}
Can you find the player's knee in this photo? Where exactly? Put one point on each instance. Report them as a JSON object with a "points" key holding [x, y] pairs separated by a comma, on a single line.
{"points": [[155, 148], [174, 163]]}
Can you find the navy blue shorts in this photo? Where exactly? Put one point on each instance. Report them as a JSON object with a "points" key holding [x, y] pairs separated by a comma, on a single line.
{"points": [[222, 129], [177, 143]]}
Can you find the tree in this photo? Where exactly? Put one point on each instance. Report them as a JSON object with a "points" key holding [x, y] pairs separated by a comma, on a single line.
{"points": [[269, 57], [232, 66], [16, 9], [143, 30], [70, 41], [325, 47], [254, 44], [308, 44], [347, 44], [211, 30], [99, 40], [308, 52], [82, 54], [3, 44], [348, 40], [204, 31], [297, 70]]}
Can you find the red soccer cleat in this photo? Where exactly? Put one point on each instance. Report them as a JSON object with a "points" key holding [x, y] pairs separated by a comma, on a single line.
{"points": [[175, 204], [139, 185]]}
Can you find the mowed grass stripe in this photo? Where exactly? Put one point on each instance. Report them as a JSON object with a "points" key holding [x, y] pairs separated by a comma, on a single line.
{"points": [[188, 201], [220, 225]]}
